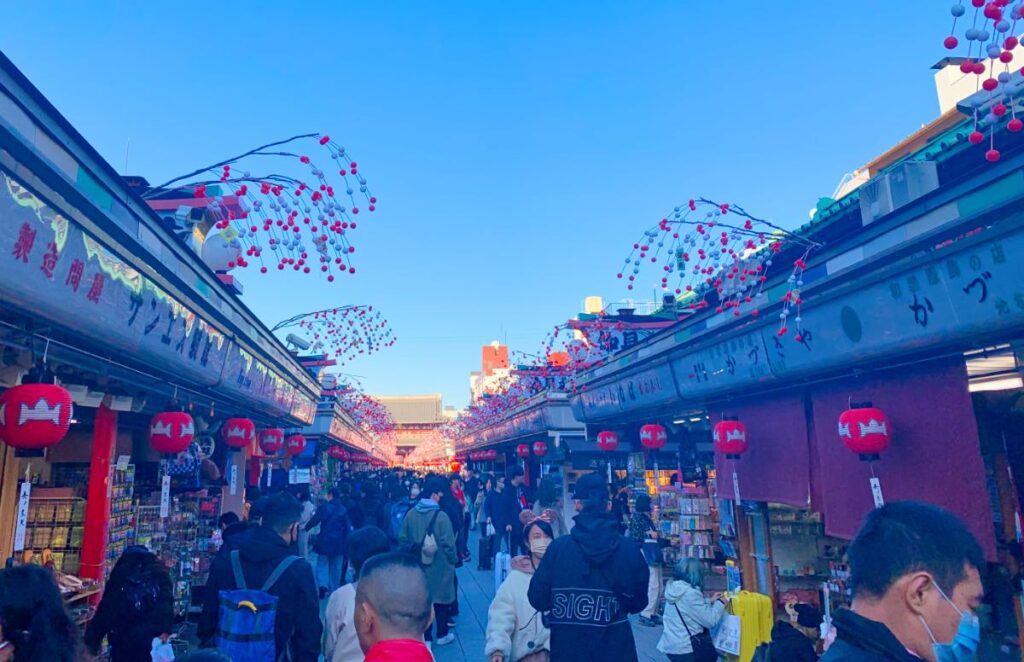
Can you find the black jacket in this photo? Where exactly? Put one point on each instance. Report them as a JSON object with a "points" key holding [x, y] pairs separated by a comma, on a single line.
{"points": [[861, 640], [234, 535], [297, 622], [333, 537], [789, 645], [130, 627], [588, 583], [471, 489]]}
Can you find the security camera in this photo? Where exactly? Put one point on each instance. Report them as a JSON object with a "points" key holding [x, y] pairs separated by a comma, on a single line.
{"points": [[297, 342]]}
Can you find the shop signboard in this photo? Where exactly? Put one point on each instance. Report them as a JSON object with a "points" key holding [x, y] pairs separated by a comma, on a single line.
{"points": [[51, 268], [641, 390], [724, 366], [962, 289]]}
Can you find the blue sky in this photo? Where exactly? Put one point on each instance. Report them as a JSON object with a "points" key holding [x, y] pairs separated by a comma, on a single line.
{"points": [[517, 148]]}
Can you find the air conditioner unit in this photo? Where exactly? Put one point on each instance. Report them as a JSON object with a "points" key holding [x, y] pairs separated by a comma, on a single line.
{"points": [[889, 191]]}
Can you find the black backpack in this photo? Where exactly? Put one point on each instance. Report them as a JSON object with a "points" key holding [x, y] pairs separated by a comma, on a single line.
{"points": [[141, 592]]}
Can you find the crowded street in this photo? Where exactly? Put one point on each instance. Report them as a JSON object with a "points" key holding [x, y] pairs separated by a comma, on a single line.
{"points": [[512, 332]]}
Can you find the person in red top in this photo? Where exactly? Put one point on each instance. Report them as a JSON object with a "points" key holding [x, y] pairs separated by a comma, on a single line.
{"points": [[392, 609]]}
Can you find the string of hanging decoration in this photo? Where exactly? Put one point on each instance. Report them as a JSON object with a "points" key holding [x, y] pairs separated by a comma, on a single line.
{"points": [[342, 332], [718, 256], [299, 215], [987, 43]]}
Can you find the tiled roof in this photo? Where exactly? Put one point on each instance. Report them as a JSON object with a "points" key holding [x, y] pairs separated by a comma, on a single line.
{"points": [[414, 408]]}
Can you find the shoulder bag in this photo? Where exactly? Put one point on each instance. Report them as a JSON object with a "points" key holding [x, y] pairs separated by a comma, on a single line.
{"points": [[703, 647]]}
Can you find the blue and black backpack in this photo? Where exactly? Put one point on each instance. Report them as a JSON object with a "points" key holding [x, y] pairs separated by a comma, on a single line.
{"points": [[245, 625]]}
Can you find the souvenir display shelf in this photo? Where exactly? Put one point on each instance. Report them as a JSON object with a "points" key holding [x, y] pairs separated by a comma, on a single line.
{"points": [[56, 524], [122, 513], [173, 539]]}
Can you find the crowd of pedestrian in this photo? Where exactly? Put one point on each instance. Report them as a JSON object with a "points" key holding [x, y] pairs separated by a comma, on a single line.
{"points": [[382, 548]]}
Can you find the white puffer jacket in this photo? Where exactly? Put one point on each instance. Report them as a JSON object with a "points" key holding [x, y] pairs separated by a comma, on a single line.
{"points": [[698, 611], [513, 625]]}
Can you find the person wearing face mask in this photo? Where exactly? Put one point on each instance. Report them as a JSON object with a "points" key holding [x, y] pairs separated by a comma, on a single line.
{"points": [[590, 581], [297, 626], [915, 574], [515, 631]]}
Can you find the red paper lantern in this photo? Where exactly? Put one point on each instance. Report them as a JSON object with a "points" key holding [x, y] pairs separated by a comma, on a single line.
{"points": [[540, 449], [337, 453], [730, 437], [295, 444], [238, 433], [34, 415], [490, 454], [271, 440], [865, 430], [607, 440], [653, 436], [171, 432], [523, 450]]}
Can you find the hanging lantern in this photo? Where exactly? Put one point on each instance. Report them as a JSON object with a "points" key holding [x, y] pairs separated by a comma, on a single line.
{"points": [[540, 449], [171, 432], [34, 416], [730, 437], [490, 454], [523, 450], [337, 453], [238, 433], [653, 436], [607, 440], [295, 444], [271, 440], [865, 430]]}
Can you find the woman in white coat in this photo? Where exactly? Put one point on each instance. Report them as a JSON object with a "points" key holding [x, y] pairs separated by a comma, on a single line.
{"points": [[515, 632], [687, 611]]}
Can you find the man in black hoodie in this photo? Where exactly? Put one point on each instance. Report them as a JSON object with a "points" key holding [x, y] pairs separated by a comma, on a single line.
{"points": [[589, 582], [297, 627]]}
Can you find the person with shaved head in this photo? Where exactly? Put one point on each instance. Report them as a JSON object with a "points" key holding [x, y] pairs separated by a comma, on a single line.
{"points": [[393, 609]]}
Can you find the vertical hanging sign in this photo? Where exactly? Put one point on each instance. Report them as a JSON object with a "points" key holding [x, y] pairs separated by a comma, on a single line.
{"points": [[233, 479], [23, 501], [736, 489], [876, 492], [165, 497]]}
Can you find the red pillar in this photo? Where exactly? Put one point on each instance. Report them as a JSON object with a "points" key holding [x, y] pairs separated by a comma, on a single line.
{"points": [[97, 508]]}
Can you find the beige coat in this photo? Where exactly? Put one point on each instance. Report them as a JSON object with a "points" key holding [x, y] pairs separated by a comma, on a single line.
{"points": [[441, 572], [340, 641], [514, 627]]}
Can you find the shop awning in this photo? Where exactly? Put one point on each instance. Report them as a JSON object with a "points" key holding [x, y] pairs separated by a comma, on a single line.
{"points": [[934, 456], [776, 468]]}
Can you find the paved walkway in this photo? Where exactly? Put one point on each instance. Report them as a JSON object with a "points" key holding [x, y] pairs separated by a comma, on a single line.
{"points": [[476, 590]]}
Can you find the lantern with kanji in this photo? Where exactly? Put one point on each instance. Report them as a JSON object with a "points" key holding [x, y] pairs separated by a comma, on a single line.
{"points": [[730, 437], [608, 441], [238, 433], [653, 436], [523, 450], [865, 430], [171, 432], [540, 449], [34, 416], [490, 454], [337, 453], [295, 444], [271, 440]]}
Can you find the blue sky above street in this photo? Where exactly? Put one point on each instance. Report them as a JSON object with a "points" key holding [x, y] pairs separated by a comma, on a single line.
{"points": [[517, 149]]}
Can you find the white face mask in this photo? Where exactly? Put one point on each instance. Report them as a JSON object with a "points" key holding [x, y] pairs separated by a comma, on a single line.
{"points": [[415, 492], [538, 546]]}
